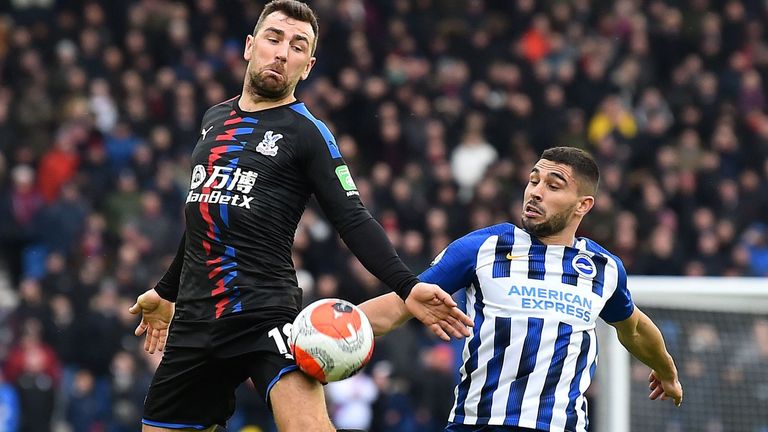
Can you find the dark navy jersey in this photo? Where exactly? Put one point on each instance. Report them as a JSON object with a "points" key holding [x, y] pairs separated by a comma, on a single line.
{"points": [[252, 175]]}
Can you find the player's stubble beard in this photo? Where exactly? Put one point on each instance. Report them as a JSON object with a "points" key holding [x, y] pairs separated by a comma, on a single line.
{"points": [[270, 88], [551, 225]]}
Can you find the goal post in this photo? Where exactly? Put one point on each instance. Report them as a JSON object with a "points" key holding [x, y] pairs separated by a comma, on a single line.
{"points": [[711, 328]]}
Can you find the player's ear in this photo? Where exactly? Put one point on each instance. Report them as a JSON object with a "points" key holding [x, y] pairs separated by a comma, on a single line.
{"points": [[249, 40], [308, 68], [585, 204]]}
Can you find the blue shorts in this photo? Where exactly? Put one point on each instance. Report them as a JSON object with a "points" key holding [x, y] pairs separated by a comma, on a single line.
{"points": [[455, 427]]}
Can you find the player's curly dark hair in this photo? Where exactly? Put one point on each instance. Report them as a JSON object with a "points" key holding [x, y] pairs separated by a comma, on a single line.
{"points": [[582, 163], [292, 9]]}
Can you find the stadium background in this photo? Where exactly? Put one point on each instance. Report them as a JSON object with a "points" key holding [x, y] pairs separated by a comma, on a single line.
{"points": [[440, 107]]}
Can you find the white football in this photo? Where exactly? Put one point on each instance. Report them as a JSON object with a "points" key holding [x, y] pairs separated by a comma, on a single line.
{"points": [[331, 340]]}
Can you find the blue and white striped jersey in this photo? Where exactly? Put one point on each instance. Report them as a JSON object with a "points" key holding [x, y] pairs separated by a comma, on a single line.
{"points": [[533, 350]]}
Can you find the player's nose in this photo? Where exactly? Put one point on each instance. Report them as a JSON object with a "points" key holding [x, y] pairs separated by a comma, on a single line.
{"points": [[536, 192], [281, 52]]}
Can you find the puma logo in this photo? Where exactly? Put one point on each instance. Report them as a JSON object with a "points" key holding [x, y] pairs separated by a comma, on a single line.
{"points": [[204, 132]]}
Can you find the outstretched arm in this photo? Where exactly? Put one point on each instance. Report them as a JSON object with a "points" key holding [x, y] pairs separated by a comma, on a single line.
{"points": [[642, 339], [338, 196], [425, 301], [385, 313]]}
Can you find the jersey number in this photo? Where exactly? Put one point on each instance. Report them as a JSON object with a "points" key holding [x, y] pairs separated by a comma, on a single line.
{"points": [[281, 338]]}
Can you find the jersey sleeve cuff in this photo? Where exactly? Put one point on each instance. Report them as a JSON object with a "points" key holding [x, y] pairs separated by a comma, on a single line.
{"points": [[166, 293], [403, 290]]}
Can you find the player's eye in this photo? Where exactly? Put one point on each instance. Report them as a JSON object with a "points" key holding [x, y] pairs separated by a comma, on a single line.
{"points": [[553, 186], [298, 48], [273, 40], [533, 182]]}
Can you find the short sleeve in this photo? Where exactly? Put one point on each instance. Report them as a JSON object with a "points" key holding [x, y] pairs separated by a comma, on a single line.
{"points": [[454, 268], [620, 305]]}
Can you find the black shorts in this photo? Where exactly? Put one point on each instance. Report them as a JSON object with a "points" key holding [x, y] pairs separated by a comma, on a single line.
{"points": [[194, 386]]}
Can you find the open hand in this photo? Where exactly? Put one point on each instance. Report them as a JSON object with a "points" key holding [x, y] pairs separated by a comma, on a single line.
{"points": [[156, 315], [438, 311]]}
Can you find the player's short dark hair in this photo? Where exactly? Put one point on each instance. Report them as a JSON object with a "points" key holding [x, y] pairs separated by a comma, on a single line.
{"points": [[582, 163], [292, 9]]}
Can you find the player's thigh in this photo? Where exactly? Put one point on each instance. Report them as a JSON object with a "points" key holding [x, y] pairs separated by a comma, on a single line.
{"points": [[192, 390], [298, 404], [296, 400]]}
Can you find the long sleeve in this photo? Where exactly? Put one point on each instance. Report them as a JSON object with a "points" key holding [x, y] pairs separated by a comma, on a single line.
{"points": [[168, 286], [340, 200], [371, 246]]}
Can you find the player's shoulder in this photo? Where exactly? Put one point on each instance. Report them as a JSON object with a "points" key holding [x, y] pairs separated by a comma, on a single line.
{"points": [[221, 109], [311, 126], [596, 248], [498, 229], [301, 111], [476, 238]]}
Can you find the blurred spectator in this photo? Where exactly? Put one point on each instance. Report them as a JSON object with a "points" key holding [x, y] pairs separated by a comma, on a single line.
{"points": [[34, 369], [10, 411], [88, 408], [434, 388], [128, 387], [755, 238], [124, 204], [58, 165], [614, 119], [62, 221], [350, 402], [663, 258], [101, 325], [19, 207], [471, 157], [120, 145], [653, 113], [393, 409]]}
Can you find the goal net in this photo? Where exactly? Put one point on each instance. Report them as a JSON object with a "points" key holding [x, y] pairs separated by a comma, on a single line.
{"points": [[717, 331]]}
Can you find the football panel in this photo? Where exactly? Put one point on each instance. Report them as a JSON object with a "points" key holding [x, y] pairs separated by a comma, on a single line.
{"points": [[340, 315], [308, 364]]}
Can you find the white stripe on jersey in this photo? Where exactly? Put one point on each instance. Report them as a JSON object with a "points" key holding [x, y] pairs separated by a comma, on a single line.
{"points": [[508, 369], [521, 247], [586, 380], [564, 385], [530, 409], [479, 376]]}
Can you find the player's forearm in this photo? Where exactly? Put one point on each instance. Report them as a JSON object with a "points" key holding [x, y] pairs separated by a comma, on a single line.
{"points": [[385, 313], [646, 343], [371, 246], [168, 286]]}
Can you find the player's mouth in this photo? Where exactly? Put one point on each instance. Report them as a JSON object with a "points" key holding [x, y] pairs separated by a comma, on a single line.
{"points": [[274, 72], [532, 211]]}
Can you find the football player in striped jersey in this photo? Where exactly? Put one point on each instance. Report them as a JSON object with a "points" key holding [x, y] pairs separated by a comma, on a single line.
{"points": [[534, 293]]}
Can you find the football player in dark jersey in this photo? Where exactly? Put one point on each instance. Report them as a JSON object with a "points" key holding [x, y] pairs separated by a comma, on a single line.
{"points": [[231, 292]]}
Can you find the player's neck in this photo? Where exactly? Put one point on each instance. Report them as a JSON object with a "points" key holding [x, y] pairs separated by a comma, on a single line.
{"points": [[565, 237], [249, 103]]}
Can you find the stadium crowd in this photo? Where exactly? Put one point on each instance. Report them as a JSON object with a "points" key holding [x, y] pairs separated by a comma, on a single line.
{"points": [[439, 107]]}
